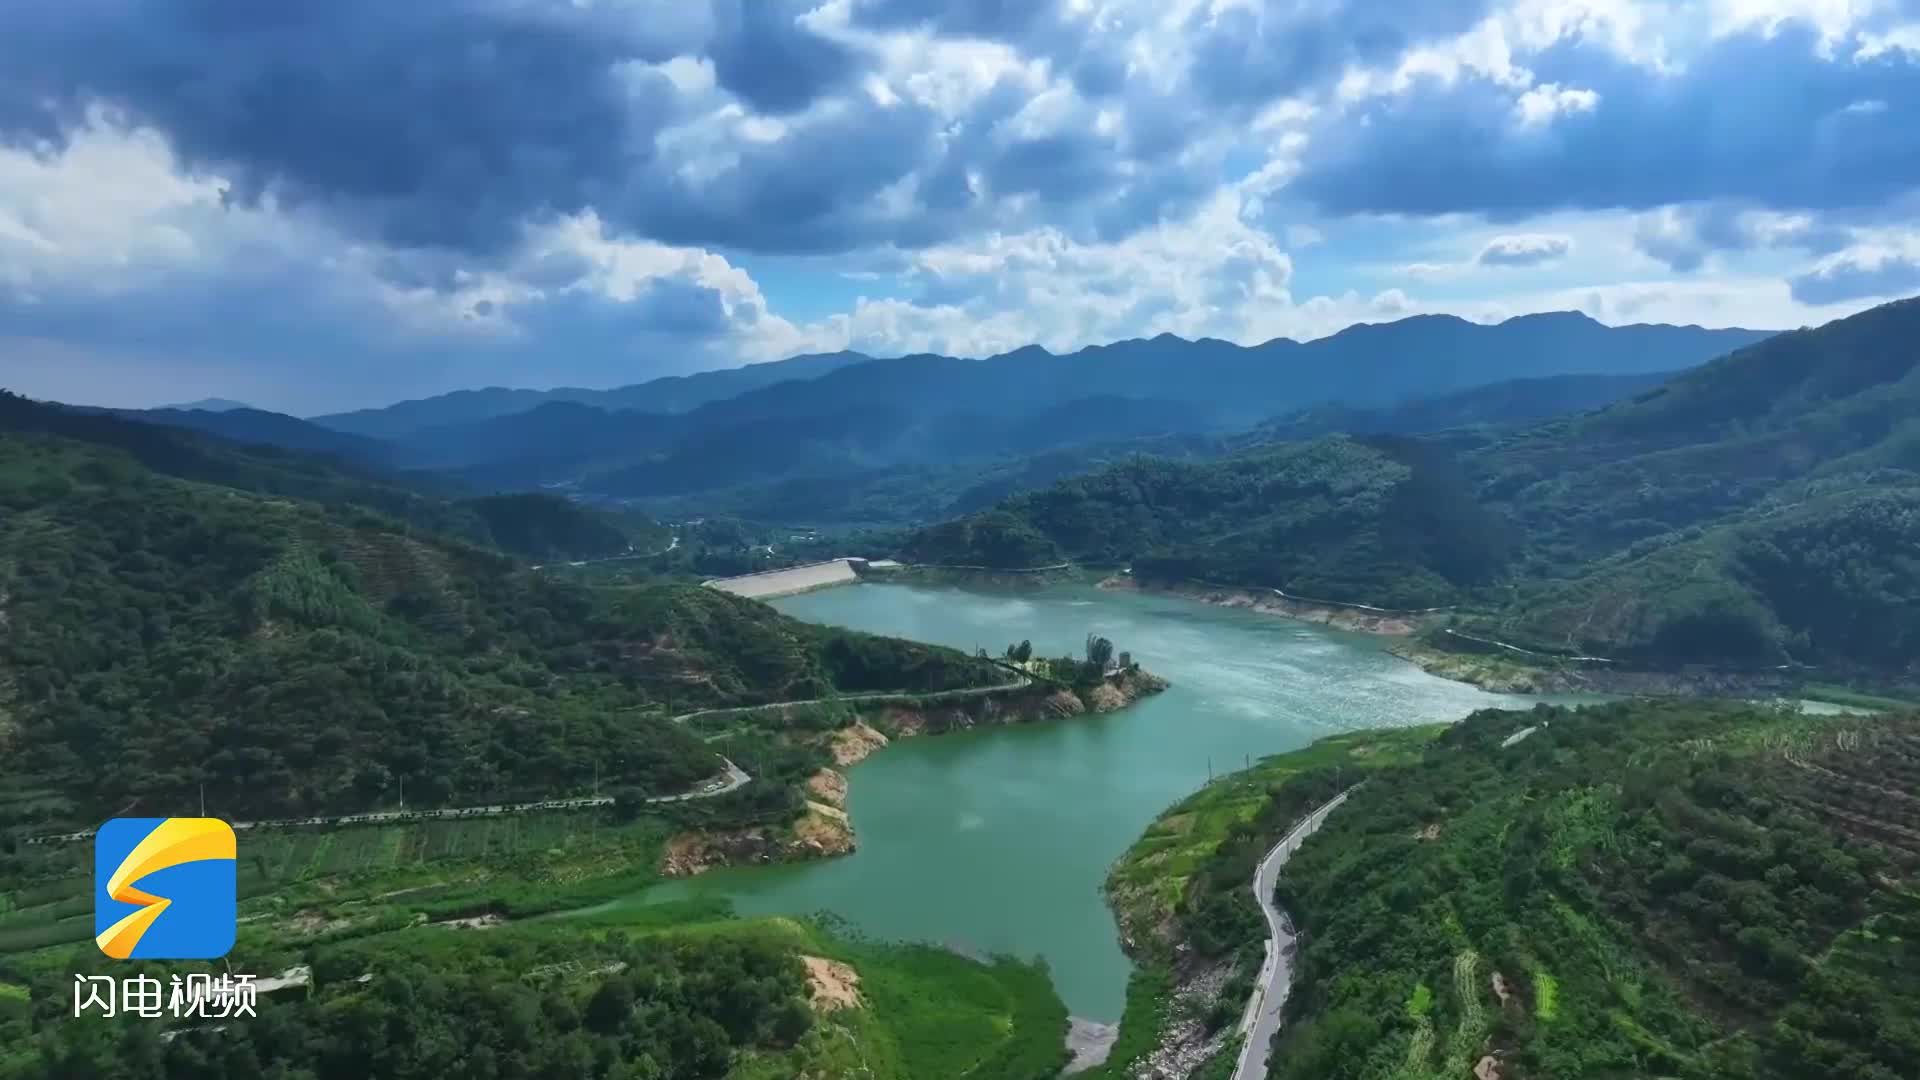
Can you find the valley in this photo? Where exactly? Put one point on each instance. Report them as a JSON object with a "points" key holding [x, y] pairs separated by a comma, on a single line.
{"points": [[959, 540], [597, 741]]}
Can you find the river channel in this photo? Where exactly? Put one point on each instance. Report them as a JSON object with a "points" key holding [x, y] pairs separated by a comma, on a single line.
{"points": [[997, 840]]}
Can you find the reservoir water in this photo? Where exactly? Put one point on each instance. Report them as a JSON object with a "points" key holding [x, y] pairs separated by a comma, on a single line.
{"points": [[997, 840]]}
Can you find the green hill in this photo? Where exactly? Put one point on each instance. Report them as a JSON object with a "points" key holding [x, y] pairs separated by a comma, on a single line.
{"points": [[1756, 511], [1832, 580], [158, 633], [1380, 517], [1839, 404], [541, 526], [1680, 890], [1686, 889], [180, 617]]}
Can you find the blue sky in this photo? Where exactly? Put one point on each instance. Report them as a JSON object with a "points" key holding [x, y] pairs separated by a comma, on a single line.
{"points": [[314, 207]]}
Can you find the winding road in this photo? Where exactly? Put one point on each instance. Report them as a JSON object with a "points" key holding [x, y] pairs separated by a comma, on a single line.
{"points": [[1262, 1017], [731, 778], [631, 554]]}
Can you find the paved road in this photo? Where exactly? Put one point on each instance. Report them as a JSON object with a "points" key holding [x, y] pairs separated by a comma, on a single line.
{"points": [[1019, 682], [673, 543], [1276, 974], [731, 779]]}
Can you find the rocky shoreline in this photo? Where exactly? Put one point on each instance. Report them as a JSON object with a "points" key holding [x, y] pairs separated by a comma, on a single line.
{"points": [[823, 830], [1385, 623], [1493, 673], [1502, 676]]}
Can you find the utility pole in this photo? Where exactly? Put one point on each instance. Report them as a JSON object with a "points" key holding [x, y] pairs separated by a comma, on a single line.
{"points": [[1209, 768], [203, 799]]}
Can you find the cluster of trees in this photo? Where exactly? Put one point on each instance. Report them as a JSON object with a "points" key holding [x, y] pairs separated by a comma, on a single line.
{"points": [[1657, 894], [1382, 520], [626, 1008], [1096, 660]]}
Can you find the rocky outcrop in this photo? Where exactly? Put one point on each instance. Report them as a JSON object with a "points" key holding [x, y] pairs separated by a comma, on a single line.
{"points": [[828, 786], [1185, 1043], [820, 832], [831, 984], [852, 744]]}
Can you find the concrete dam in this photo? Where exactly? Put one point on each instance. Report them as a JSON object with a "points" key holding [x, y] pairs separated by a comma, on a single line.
{"points": [[799, 579]]}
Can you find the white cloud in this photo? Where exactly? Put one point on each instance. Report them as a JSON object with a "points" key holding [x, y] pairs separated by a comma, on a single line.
{"points": [[1886, 267], [1539, 105], [1199, 225], [1524, 249]]}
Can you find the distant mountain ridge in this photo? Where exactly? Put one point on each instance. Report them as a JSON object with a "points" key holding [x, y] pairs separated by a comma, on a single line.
{"points": [[1758, 510], [863, 414], [671, 394], [243, 424], [1422, 355], [1514, 401]]}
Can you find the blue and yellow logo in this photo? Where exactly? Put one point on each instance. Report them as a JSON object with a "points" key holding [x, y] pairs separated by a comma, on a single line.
{"points": [[164, 888]]}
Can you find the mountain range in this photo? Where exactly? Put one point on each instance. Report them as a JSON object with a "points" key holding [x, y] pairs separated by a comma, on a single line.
{"points": [[1762, 509], [672, 394], [847, 424], [1368, 364]]}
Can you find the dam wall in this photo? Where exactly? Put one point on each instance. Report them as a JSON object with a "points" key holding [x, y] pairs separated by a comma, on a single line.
{"points": [[786, 582]]}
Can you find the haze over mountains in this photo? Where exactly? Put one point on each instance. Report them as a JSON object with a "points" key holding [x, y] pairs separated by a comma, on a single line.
{"points": [[1366, 364], [847, 426]]}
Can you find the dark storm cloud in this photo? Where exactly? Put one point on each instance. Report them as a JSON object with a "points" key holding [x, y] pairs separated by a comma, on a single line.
{"points": [[1852, 277], [814, 191], [1753, 119], [439, 124], [444, 124], [1000, 20], [762, 55], [1276, 48]]}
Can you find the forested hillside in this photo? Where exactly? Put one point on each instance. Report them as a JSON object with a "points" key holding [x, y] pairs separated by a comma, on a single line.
{"points": [[161, 632], [248, 426], [1832, 580], [1686, 890], [540, 526], [1502, 404], [1757, 511], [1379, 517]]}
